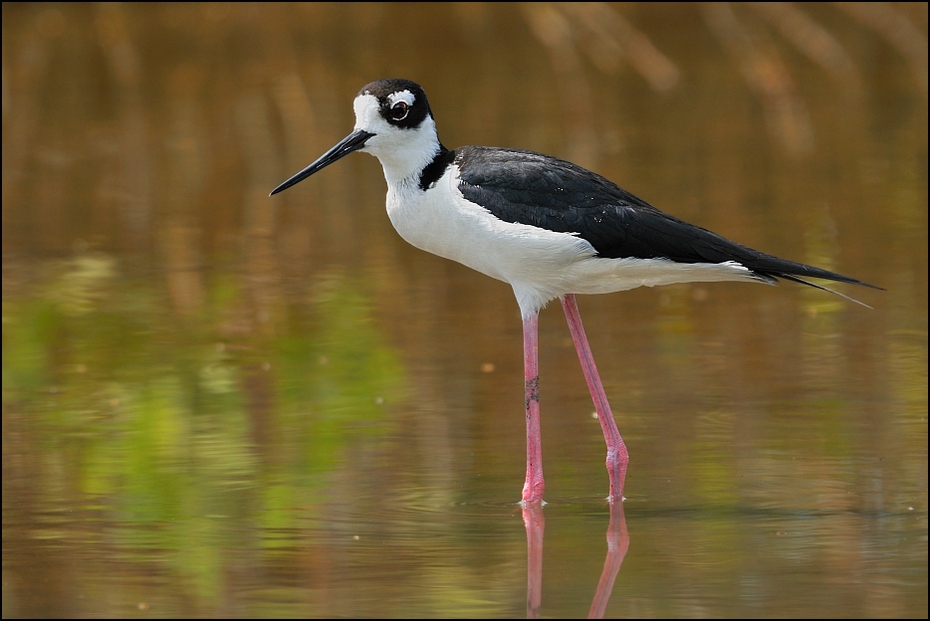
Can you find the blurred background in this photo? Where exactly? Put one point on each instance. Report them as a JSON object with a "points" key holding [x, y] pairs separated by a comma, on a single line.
{"points": [[217, 403]]}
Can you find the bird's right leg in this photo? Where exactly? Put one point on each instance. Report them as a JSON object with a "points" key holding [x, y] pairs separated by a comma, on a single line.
{"points": [[535, 485]]}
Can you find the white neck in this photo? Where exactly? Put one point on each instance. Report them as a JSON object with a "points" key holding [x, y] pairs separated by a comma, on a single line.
{"points": [[407, 159]]}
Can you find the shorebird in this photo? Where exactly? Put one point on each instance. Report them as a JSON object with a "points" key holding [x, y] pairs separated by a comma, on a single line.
{"points": [[549, 228]]}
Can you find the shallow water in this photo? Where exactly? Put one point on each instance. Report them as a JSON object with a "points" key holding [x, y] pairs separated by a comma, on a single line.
{"points": [[220, 404]]}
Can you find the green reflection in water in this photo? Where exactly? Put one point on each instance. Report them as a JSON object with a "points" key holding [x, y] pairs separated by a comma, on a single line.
{"points": [[177, 427]]}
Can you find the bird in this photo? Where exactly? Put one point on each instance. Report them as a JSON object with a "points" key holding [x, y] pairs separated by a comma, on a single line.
{"points": [[548, 227]]}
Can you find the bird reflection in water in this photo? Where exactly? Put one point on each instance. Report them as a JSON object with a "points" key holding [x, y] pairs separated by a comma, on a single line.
{"points": [[618, 542]]}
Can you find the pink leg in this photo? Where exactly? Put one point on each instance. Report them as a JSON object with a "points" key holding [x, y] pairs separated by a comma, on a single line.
{"points": [[534, 486], [617, 456]]}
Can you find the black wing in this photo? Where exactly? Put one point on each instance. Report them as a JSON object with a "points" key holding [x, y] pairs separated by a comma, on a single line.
{"points": [[531, 188]]}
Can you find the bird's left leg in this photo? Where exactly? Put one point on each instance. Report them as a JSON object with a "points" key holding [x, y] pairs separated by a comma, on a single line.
{"points": [[617, 455]]}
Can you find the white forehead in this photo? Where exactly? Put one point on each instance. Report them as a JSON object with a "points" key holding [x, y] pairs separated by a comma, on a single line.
{"points": [[366, 111]]}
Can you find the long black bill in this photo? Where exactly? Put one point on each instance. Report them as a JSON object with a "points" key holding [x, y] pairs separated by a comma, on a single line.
{"points": [[353, 142]]}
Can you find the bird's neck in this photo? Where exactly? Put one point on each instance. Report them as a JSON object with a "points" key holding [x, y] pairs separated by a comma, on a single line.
{"points": [[404, 164]]}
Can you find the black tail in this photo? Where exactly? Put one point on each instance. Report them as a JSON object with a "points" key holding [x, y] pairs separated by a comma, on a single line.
{"points": [[772, 268]]}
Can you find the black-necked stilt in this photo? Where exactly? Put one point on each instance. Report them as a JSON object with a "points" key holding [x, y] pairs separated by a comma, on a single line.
{"points": [[546, 226]]}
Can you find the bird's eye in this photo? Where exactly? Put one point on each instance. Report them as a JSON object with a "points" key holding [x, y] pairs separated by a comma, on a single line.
{"points": [[399, 111]]}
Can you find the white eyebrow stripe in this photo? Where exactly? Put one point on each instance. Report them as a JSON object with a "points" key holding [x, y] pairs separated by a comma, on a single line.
{"points": [[404, 96]]}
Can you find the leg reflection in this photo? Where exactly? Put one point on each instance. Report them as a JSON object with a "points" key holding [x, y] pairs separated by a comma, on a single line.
{"points": [[618, 542], [535, 523]]}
